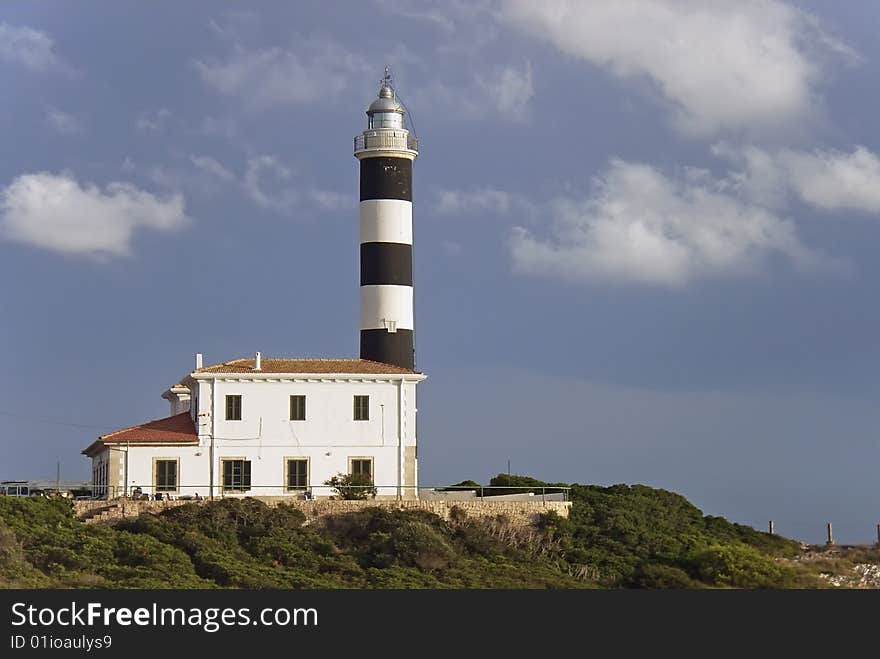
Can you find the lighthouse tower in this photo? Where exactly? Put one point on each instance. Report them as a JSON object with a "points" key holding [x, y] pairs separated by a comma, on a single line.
{"points": [[386, 152]]}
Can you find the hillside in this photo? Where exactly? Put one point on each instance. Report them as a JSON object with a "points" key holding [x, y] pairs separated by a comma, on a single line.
{"points": [[620, 536]]}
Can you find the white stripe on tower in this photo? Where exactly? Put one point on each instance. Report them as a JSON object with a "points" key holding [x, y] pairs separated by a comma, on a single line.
{"points": [[386, 152], [386, 302], [386, 221]]}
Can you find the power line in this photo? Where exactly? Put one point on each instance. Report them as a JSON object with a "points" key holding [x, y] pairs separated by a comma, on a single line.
{"points": [[296, 440], [53, 421]]}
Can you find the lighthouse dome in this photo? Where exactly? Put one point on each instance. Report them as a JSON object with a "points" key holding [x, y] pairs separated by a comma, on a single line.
{"points": [[385, 103], [386, 111], [386, 125]]}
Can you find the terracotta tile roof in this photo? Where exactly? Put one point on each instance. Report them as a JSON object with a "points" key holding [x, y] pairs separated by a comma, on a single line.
{"points": [[177, 429], [271, 365]]}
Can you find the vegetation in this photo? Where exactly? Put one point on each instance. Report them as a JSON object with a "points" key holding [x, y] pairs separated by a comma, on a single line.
{"points": [[619, 536], [242, 543], [513, 484]]}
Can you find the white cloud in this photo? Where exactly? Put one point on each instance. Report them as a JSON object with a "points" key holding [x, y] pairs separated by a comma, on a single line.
{"points": [[236, 25], [266, 183], [63, 123], [836, 181], [826, 179], [32, 49], [505, 92], [466, 25], [436, 16], [642, 226], [331, 201], [224, 127], [510, 91], [153, 121], [479, 201], [751, 64], [317, 70], [55, 212], [213, 167]]}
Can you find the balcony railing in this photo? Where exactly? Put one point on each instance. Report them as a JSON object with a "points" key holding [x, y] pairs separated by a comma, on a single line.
{"points": [[399, 140]]}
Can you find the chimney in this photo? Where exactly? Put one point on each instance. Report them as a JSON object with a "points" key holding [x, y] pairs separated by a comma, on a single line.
{"points": [[198, 360], [257, 361]]}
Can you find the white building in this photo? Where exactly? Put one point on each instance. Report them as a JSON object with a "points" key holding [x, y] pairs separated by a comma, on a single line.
{"points": [[272, 427]]}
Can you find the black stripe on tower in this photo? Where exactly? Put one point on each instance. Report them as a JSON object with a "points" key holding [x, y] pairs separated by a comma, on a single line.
{"points": [[387, 347], [386, 178], [386, 263]]}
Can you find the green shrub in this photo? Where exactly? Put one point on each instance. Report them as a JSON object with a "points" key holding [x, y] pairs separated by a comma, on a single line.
{"points": [[352, 486], [11, 552], [658, 575], [738, 566], [516, 484]]}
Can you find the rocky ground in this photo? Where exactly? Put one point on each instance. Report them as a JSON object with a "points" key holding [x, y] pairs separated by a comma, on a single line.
{"points": [[842, 566]]}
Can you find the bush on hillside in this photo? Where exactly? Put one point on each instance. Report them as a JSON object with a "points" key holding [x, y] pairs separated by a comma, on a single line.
{"points": [[618, 536], [738, 566], [515, 484]]}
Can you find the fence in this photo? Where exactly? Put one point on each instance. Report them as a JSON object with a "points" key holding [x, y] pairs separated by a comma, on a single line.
{"points": [[196, 492], [829, 530]]}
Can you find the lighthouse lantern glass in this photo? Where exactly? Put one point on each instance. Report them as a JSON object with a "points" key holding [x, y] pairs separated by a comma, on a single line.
{"points": [[386, 120]]}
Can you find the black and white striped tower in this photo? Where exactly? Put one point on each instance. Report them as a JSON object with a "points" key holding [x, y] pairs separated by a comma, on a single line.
{"points": [[386, 152]]}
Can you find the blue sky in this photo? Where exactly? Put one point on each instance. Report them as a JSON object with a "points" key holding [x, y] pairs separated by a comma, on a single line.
{"points": [[645, 232]]}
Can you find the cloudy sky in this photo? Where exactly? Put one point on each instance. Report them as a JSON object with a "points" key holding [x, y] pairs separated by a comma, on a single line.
{"points": [[646, 231]]}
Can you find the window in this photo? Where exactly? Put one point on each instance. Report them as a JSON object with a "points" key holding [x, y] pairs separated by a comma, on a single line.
{"points": [[297, 474], [362, 466], [297, 408], [166, 475], [236, 475], [233, 408], [361, 408]]}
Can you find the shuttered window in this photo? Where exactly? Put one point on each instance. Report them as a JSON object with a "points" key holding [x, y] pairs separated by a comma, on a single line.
{"points": [[236, 475], [297, 474], [297, 408], [166, 475], [361, 408], [233, 408]]}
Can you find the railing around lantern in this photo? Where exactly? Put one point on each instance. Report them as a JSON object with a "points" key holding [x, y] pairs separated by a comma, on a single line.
{"points": [[386, 139]]}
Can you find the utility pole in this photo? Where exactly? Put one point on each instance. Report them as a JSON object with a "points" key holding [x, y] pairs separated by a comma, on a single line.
{"points": [[127, 447]]}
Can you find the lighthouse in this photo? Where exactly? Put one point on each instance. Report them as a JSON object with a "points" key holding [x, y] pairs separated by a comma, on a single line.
{"points": [[386, 151]]}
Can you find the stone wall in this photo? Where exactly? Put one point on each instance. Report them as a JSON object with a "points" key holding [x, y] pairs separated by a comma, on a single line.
{"points": [[519, 513]]}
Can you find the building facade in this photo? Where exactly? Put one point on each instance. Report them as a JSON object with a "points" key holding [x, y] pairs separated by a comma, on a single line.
{"points": [[277, 427], [270, 427]]}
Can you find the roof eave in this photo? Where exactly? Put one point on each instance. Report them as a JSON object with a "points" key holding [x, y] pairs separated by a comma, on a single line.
{"points": [[94, 448], [263, 375], [99, 445], [155, 442]]}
